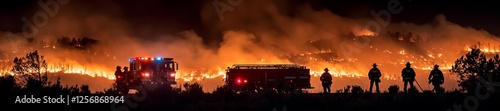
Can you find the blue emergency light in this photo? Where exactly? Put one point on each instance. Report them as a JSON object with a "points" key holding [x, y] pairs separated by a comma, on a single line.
{"points": [[149, 58]]}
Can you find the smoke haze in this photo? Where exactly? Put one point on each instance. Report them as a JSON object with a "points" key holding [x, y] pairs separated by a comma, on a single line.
{"points": [[256, 31]]}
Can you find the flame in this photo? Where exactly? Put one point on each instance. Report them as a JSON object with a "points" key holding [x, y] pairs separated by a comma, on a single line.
{"points": [[402, 52], [201, 73], [337, 66], [92, 71], [441, 67], [338, 73], [78, 69], [362, 32], [198, 75], [484, 49]]}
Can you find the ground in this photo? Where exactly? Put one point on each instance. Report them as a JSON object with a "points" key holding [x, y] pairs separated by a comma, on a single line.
{"points": [[160, 100]]}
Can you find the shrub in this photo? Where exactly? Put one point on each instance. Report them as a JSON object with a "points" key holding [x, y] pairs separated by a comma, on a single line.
{"points": [[393, 89]]}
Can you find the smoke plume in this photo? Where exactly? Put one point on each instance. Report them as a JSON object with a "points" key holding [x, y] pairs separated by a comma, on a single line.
{"points": [[256, 31]]}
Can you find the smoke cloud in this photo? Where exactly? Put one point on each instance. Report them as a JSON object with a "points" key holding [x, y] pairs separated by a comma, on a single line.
{"points": [[254, 32]]}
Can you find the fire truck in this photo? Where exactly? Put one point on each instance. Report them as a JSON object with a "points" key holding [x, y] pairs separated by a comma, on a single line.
{"points": [[148, 70], [260, 77]]}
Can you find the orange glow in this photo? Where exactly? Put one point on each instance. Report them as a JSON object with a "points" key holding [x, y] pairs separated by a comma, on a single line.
{"points": [[340, 68], [484, 49], [362, 32], [93, 71]]}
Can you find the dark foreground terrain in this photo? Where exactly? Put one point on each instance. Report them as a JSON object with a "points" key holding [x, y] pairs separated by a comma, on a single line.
{"points": [[225, 100]]}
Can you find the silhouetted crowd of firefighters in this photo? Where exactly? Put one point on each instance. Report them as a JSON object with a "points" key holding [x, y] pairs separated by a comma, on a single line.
{"points": [[408, 74], [120, 75]]}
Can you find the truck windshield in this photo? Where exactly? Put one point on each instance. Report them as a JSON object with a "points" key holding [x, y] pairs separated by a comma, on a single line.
{"points": [[152, 65]]}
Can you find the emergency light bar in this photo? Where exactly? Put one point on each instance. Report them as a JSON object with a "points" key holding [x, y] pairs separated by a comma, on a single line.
{"points": [[149, 58], [267, 66]]}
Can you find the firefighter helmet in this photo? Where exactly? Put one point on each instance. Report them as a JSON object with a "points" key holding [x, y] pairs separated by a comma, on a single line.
{"points": [[118, 67], [374, 64], [326, 69], [436, 66], [408, 63]]}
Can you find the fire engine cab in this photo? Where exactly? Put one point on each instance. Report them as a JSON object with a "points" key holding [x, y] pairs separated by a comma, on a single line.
{"points": [[258, 77], [149, 70]]}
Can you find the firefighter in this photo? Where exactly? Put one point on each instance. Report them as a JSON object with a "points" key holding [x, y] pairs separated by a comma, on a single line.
{"points": [[125, 70], [291, 87], [326, 80], [119, 75], [280, 87], [127, 74], [408, 75], [436, 78], [374, 76]]}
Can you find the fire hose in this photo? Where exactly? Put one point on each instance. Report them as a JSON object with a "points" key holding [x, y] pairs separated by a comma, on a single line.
{"points": [[418, 85]]}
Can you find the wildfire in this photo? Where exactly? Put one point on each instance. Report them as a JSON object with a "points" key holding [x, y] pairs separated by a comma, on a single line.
{"points": [[5, 72], [195, 75], [441, 67], [402, 52], [485, 49], [421, 62], [92, 71], [337, 73], [363, 32]]}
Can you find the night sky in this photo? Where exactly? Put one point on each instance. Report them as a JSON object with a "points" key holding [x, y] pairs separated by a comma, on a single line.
{"points": [[155, 16]]}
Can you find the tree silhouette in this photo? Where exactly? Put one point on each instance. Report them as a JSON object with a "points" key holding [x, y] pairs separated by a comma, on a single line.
{"points": [[84, 89], [32, 67], [224, 90], [476, 69], [113, 90], [76, 43], [194, 89], [32, 70]]}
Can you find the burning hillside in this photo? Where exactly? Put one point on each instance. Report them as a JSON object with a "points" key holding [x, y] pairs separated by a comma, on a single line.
{"points": [[324, 56], [317, 39]]}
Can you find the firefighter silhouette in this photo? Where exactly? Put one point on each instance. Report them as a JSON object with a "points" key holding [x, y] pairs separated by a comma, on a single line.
{"points": [[326, 80], [374, 76], [127, 74], [286, 86], [280, 86], [436, 78], [119, 75], [125, 70], [408, 75]]}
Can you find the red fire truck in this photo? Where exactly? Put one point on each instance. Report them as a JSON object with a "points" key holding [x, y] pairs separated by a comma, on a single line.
{"points": [[148, 70], [259, 77]]}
